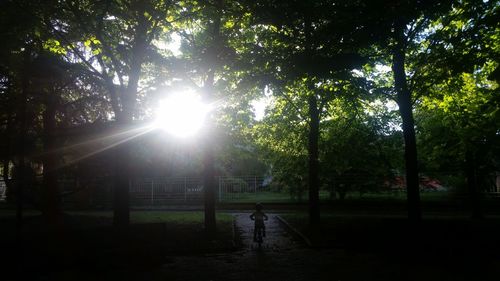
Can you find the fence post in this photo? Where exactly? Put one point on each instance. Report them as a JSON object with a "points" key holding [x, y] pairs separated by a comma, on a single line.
{"points": [[152, 192]]}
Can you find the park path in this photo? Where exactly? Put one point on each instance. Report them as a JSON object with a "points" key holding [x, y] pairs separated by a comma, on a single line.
{"points": [[277, 237], [282, 257], [271, 262]]}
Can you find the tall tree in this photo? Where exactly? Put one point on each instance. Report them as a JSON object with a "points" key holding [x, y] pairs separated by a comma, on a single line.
{"points": [[407, 21], [114, 41], [461, 50], [21, 30], [308, 49], [211, 33]]}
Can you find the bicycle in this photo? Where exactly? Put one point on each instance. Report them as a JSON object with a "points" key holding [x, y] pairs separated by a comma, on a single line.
{"points": [[259, 230], [259, 237]]}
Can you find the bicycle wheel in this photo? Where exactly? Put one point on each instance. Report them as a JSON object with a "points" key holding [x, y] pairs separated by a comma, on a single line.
{"points": [[259, 237]]}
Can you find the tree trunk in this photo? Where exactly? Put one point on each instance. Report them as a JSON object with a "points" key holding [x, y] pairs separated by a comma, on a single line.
{"points": [[121, 198], [209, 186], [5, 174], [405, 109], [21, 175], [121, 192], [6, 161], [209, 183], [474, 192], [51, 196], [314, 213]]}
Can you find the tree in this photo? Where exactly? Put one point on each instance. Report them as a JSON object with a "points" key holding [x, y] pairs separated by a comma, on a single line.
{"points": [[211, 33], [360, 150], [22, 35], [113, 40], [308, 50], [403, 24], [460, 100]]}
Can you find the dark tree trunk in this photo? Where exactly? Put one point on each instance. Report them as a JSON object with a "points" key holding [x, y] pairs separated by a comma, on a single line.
{"points": [[209, 183], [473, 188], [5, 174], [7, 158], [21, 175], [121, 196], [313, 137], [121, 192], [51, 196], [405, 109], [121, 204], [121, 209], [314, 213]]}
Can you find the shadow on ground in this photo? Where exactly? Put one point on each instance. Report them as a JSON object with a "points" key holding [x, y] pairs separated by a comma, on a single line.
{"points": [[374, 249]]}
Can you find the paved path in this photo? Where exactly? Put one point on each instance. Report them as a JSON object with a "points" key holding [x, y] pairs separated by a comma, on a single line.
{"points": [[281, 257], [277, 238]]}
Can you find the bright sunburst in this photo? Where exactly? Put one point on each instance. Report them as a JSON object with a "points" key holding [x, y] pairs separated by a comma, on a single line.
{"points": [[181, 114]]}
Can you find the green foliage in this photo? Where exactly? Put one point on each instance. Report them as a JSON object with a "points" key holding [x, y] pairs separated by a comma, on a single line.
{"points": [[360, 150], [457, 110], [460, 115], [54, 46]]}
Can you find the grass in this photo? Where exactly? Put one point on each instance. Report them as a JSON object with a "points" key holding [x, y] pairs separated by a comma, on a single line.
{"points": [[437, 238], [179, 232], [267, 197], [398, 196], [8, 213], [264, 197], [89, 241], [285, 197], [138, 217]]}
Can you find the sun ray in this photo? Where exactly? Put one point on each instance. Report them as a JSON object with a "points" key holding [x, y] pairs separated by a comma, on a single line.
{"points": [[107, 147], [109, 141]]}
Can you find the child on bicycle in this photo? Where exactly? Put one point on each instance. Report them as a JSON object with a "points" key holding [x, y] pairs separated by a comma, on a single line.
{"points": [[259, 217]]}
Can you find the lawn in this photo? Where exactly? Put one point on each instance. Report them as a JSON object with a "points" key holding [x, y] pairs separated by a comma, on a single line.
{"points": [[285, 197], [444, 238], [89, 242], [168, 217], [267, 197], [175, 232]]}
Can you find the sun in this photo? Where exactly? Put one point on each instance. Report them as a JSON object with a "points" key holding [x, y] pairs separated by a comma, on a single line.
{"points": [[181, 114]]}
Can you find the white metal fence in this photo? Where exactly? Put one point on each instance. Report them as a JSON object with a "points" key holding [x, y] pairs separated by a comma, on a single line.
{"points": [[163, 190], [158, 191], [3, 189], [246, 188]]}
